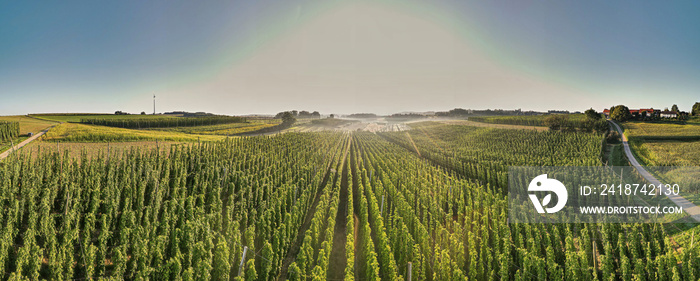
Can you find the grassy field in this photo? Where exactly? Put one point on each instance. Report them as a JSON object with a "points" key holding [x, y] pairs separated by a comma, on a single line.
{"points": [[657, 144], [72, 132], [690, 131], [667, 153]]}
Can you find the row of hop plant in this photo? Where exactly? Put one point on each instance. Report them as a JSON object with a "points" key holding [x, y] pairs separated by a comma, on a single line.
{"points": [[457, 221], [185, 214], [145, 123], [8, 130]]}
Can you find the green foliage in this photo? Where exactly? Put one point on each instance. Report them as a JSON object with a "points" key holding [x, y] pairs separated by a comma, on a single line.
{"points": [[267, 261], [288, 118], [150, 215], [612, 137], [696, 109], [558, 122], [250, 273], [8, 130], [221, 265], [528, 120], [620, 113], [294, 273], [588, 122], [592, 114]]}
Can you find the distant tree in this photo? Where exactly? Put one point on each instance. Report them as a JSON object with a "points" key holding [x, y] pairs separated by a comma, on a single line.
{"points": [[315, 114], [675, 108], [288, 118], [332, 115], [304, 113], [620, 113], [665, 108], [592, 114], [696, 109], [143, 113], [295, 113], [556, 121]]}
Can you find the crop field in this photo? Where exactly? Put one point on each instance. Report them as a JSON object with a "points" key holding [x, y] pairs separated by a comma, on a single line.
{"points": [[8, 130], [658, 144], [9, 134], [313, 206], [73, 132], [80, 150], [227, 129], [567, 122], [661, 131], [77, 117], [667, 153], [482, 124], [527, 120], [167, 122]]}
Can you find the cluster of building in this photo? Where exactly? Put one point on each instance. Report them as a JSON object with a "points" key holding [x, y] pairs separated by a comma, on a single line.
{"points": [[648, 112]]}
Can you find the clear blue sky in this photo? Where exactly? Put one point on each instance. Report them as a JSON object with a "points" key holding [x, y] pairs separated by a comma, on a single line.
{"points": [[243, 57]]}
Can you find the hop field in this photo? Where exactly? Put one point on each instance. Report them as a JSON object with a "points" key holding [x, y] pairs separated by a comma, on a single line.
{"points": [[8, 130], [168, 122], [315, 206]]}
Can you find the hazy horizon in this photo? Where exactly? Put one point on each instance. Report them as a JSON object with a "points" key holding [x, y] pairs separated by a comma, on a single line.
{"points": [[347, 57]]}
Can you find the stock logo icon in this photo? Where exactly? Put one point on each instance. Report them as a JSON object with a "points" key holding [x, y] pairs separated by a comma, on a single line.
{"points": [[542, 183]]}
